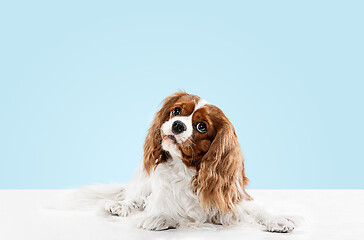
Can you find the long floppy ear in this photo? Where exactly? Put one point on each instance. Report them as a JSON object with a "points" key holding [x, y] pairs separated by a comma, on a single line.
{"points": [[220, 180], [153, 152]]}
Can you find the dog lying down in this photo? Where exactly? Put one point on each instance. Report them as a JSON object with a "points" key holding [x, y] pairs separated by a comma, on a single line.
{"points": [[192, 174]]}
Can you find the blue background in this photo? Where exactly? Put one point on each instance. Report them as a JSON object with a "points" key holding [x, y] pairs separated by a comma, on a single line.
{"points": [[80, 83]]}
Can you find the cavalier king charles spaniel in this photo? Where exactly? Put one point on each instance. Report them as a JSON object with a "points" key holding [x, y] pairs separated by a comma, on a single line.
{"points": [[192, 173]]}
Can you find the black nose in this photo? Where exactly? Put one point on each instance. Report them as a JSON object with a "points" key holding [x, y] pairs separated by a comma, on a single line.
{"points": [[178, 127]]}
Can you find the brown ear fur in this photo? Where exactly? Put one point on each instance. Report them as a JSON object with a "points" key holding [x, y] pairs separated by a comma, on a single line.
{"points": [[220, 180], [153, 152]]}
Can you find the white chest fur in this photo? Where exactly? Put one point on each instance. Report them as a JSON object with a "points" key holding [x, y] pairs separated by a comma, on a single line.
{"points": [[172, 192]]}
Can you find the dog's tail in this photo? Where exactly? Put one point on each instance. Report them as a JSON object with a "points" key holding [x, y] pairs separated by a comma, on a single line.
{"points": [[87, 197]]}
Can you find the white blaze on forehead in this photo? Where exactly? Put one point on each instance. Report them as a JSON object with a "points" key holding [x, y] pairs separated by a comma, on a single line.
{"points": [[200, 104]]}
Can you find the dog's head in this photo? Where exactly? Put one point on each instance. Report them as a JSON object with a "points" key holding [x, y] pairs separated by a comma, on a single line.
{"points": [[198, 133]]}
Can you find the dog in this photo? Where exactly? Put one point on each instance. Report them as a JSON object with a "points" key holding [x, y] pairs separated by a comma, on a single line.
{"points": [[192, 173]]}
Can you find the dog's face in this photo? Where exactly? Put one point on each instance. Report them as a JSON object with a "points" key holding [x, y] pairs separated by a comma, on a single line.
{"points": [[189, 129], [198, 133]]}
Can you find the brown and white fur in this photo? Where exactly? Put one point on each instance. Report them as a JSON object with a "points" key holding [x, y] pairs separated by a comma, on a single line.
{"points": [[191, 174]]}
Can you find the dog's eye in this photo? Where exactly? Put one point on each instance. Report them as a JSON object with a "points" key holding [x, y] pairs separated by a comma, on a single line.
{"points": [[176, 111], [201, 127]]}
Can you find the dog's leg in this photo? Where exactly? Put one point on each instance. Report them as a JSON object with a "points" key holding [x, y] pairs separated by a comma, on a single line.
{"points": [[125, 207], [250, 212], [157, 222], [158, 215], [133, 198]]}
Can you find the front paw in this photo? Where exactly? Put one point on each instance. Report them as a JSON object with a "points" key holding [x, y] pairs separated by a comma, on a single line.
{"points": [[280, 225], [157, 223], [118, 208]]}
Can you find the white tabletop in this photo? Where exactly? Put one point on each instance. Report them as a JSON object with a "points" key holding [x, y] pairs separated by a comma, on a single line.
{"points": [[328, 214]]}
